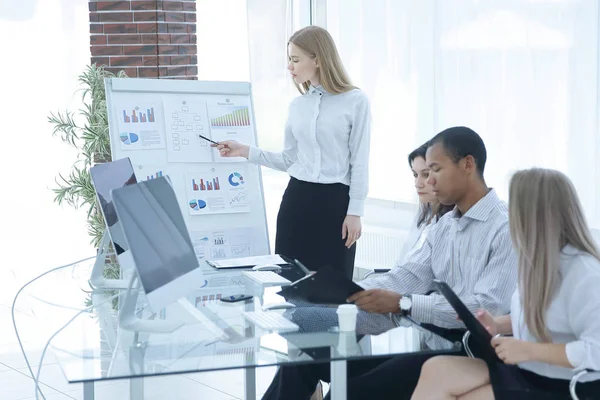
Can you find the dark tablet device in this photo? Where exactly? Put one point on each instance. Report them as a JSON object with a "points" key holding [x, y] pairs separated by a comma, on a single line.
{"points": [[478, 332], [327, 286]]}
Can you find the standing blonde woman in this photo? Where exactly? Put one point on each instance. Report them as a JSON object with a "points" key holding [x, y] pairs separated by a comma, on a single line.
{"points": [[326, 153], [555, 312]]}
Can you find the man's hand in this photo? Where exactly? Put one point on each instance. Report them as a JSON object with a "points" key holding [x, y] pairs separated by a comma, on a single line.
{"points": [[379, 301]]}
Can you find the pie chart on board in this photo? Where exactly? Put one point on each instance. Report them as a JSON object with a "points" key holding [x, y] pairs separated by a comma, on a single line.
{"points": [[197, 204], [129, 138], [236, 179]]}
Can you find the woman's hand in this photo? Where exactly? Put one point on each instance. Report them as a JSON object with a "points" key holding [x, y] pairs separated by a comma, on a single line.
{"points": [[513, 351], [231, 148], [351, 229], [487, 320]]}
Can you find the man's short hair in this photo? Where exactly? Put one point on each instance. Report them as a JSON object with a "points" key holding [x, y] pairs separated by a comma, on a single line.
{"points": [[459, 142]]}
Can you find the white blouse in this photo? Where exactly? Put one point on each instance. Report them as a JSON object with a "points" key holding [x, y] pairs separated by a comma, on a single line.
{"points": [[326, 141], [572, 318], [415, 238]]}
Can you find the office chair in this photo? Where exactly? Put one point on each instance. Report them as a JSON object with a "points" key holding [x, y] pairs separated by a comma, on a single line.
{"points": [[575, 379], [465, 343]]}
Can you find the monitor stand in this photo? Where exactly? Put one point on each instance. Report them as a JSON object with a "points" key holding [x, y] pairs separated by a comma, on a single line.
{"points": [[129, 320], [97, 281]]}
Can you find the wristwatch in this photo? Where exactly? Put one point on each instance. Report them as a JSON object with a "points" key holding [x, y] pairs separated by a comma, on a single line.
{"points": [[405, 304]]}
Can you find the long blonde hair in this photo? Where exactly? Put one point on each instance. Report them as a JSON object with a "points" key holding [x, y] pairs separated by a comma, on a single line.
{"points": [[318, 43], [545, 215]]}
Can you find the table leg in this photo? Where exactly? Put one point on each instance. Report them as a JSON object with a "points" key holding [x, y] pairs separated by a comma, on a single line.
{"points": [[250, 384], [250, 373], [88, 390], [338, 388], [136, 389]]}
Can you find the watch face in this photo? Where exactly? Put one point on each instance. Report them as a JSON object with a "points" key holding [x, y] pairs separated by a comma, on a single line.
{"points": [[405, 303]]}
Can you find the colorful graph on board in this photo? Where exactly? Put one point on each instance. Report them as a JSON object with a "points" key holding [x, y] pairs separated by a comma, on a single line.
{"points": [[197, 205], [157, 174], [240, 199], [229, 117], [202, 185], [136, 116], [236, 179], [129, 138]]}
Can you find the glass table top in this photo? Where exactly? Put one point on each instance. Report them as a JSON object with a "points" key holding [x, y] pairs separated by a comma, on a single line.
{"points": [[91, 346]]}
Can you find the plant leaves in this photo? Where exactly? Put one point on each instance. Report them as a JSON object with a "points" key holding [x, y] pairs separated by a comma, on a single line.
{"points": [[92, 139]]}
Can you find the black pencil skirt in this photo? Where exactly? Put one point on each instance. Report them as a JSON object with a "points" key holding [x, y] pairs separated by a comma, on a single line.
{"points": [[309, 225], [509, 382]]}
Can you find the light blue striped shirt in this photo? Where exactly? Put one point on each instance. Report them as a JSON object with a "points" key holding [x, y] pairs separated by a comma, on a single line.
{"points": [[473, 253]]}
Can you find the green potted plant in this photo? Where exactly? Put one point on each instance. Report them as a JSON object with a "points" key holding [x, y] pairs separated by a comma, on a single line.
{"points": [[87, 131]]}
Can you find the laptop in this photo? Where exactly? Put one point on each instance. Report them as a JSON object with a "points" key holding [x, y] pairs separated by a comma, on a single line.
{"points": [[478, 332]]}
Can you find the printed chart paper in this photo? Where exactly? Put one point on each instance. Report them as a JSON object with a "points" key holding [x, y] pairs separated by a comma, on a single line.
{"points": [[230, 119], [217, 190], [223, 244], [185, 121], [147, 172], [140, 126]]}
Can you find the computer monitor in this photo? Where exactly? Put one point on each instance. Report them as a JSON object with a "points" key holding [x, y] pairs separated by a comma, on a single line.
{"points": [[159, 241], [106, 177]]}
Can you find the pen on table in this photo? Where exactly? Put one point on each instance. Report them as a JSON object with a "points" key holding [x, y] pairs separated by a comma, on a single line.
{"points": [[302, 267], [207, 139]]}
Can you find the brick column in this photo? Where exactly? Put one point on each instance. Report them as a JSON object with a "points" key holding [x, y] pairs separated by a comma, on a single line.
{"points": [[146, 39]]}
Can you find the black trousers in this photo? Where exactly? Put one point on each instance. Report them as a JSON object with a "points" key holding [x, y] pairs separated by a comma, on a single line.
{"points": [[391, 378], [309, 225]]}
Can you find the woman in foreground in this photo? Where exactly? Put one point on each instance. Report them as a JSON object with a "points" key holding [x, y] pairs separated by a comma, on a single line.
{"points": [[554, 319]]}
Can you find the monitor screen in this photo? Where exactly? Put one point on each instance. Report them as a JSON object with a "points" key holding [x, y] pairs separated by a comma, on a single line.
{"points": [[156, 232], [106, 177]]}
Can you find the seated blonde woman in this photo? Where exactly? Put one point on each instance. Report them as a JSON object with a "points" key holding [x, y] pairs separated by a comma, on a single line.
{"points": [[555, 311]]}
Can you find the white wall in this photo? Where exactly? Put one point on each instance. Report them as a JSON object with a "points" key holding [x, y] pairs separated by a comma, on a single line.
{"points": [[44, 45]]}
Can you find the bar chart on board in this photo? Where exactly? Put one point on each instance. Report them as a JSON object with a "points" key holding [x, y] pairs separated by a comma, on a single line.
{"points": [[140, 125], [226, 117], [136, 116]]}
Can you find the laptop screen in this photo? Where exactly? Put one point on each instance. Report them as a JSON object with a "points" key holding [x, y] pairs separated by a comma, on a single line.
{"points": [[106, 177], [156, 232]]}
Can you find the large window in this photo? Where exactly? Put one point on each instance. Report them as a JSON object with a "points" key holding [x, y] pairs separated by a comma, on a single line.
{"points": [[270, 24], [522, 73], [246, 40], [387, 48], [222, 35]]}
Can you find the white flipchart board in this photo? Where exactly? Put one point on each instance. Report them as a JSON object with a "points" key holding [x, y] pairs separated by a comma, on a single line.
{"points": [[157, 123]]}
